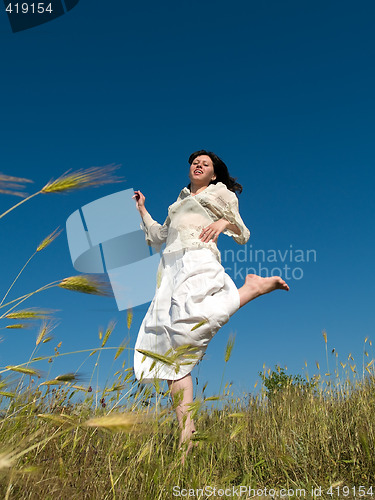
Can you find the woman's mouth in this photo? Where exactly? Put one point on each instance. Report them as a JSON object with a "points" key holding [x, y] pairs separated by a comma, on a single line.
{"points": [[198, 171]]}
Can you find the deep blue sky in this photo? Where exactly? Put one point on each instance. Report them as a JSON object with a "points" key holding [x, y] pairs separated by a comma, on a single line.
{"points": [[282, 91]]}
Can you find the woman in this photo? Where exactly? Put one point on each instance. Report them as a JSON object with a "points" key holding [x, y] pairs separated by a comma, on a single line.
{"points": [[194, 296]]}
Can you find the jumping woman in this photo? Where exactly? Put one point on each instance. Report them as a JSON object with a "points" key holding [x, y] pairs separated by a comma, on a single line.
{"points": [[194, 296]]}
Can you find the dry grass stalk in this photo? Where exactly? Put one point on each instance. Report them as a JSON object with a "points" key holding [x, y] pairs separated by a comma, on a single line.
{"points": [[199, 325], [7, 459], [108, 332], [9, 184], [129, 318], [45, 329], [80, 179], [26, 371], [83, 178], [32, 313], [18, 326], [119, 421], [61, 419], [181, 356], [157, 357], [67, 377], [62, 379], [229, 348], [7, 394], [120, 349], [48, 240], [87, 284]]}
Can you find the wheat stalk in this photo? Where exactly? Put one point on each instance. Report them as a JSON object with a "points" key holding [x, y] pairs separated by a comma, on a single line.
{"points": [[87, 284], [79, 179], [11, 183], [45, 329], [47, 241], [108, 332], [117, 421], [16, 326], [25, 371], [62, 379], [33, 313]]}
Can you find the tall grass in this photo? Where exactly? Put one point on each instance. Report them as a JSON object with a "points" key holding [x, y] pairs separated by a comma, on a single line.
{"points": [[56, 445], [60, 439]]}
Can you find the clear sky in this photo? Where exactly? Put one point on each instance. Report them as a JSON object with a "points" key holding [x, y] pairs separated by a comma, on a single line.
{"points": [[282, 91]]}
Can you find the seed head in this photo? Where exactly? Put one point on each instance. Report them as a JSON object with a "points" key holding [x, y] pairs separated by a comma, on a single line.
{"points": [[81, 179], [7, 459], [108, 332], [26, 371], [45, 329], [87, 284], [66, 377], [17, 326], [48, 240], [229, 348], [118, 421], [30, 314], [9, 184], [129, 318]]}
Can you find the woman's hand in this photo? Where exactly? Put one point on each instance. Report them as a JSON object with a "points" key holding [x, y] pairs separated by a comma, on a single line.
{"points": [[140, 200], [212, 231]]}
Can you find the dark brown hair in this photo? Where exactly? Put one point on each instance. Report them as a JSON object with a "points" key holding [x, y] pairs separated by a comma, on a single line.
{"points": [[220, 169]]}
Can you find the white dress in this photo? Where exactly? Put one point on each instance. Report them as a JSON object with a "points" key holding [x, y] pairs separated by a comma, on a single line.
{"points": [[194, 296]]}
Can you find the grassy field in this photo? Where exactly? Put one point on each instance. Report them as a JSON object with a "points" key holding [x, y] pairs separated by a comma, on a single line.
{"points": [[125, 445]]}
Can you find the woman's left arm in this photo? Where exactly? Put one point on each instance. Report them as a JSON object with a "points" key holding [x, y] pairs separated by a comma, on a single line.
{"points": [[212, 231], [232, 227], [225, 205]]}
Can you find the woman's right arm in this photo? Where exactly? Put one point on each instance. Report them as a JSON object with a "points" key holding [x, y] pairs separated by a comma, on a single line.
{"points": [[156, 234]]}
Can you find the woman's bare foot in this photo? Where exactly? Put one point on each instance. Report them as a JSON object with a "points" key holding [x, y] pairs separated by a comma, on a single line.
{"points": [[255, 286], [186, 445]]}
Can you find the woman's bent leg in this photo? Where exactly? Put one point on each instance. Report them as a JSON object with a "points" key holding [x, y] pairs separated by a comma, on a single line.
{"points": [[255, 286], [182, 395]]}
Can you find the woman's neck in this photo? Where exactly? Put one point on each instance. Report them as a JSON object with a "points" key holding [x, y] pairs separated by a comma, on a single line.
{"points": [[197, 189]]}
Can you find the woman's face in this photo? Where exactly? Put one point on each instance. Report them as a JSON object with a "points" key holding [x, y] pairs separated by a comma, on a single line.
{"points": [[202, 171]]}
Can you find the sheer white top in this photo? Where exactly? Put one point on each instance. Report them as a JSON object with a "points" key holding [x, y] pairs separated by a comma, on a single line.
{"points": [[189, 214]]}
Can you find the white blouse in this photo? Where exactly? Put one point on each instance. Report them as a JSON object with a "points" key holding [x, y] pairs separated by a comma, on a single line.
{"points": [[189, 214]]}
